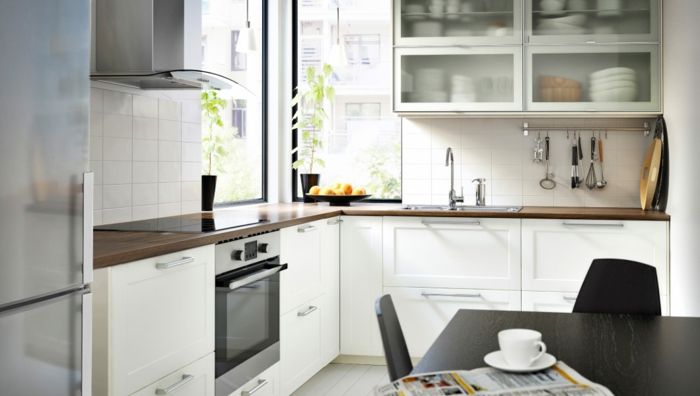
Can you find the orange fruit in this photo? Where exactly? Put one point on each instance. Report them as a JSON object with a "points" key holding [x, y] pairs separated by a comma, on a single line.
{"points": [[347, 188], [359, 191], [314, 190]]}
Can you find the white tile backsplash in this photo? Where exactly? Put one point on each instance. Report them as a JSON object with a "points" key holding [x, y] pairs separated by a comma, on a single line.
{"points": [[496, 149], [137, 154]]}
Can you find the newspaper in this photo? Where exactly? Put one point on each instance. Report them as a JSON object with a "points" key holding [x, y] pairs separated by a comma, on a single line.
{"points": [[559, 379]]}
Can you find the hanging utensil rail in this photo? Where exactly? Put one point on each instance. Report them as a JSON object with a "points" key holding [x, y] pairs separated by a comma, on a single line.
{"points": [[645, 129]]}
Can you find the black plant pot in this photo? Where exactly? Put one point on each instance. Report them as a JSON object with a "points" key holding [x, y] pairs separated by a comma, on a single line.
{"points": [[309, 180], [208, 191]]}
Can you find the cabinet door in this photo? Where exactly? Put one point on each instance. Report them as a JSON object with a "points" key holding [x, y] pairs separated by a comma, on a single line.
{"points": [[196, 379], [458, 79], [330, 253], [557, 253], [360, 285], [452, 252], [265, 384], [424, 313], [161, 316], [592, 21], [548, 301], [300, 344], [468, 23], [609, 78], [300, 247]]}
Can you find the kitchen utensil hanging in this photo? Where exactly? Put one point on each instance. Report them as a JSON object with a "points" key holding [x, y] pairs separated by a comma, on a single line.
{"points": [[591, 178], [538, 151], [602, 182], [547, 183], [650, 172]]}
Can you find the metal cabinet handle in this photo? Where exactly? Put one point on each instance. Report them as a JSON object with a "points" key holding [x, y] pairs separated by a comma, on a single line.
{"points": [[334, 221], [174, 387], [261, 384], [569, 299], [450, 222], [175, 263], [601, 225], [307, 311], [306, 228], [461, 295]]}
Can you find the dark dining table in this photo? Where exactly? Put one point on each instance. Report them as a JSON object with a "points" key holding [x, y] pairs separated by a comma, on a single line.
{"points": [[631, 355]]}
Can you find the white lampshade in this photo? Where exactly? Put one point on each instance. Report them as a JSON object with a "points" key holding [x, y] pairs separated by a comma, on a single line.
{"points": [[246, 40], [338, 57]]}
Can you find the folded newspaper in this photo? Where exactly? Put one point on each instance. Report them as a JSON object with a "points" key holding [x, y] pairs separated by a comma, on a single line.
{"points": [[559, 379]]}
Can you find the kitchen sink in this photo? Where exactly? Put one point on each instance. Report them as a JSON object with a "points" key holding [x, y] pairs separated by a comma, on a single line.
{"points": [[465, 208]]}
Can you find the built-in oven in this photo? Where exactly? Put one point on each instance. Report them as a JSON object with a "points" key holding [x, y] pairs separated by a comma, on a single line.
{"points": [[247, 309]]}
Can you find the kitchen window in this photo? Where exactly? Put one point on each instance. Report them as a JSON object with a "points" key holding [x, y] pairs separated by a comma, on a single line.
{"points": [[362, 143], [241, 166]]}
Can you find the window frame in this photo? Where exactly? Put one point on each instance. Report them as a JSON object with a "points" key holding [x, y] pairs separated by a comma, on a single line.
{"points": [[295, 81], [264, 114]]}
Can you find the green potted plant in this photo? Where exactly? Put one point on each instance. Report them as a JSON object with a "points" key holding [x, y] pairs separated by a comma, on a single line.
{"points": [[310, 102], [213, 146]]}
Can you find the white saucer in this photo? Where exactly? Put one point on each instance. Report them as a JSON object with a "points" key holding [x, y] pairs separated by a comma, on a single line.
{"points": [[495, 359]]}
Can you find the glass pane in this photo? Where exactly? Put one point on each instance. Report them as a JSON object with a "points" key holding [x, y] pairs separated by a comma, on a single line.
{"points": [[591, 17], [456, 18], [237, 153], [592, 77], [457, 78]]}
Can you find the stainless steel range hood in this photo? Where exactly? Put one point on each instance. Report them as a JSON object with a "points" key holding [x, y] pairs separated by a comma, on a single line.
{"points": [[152, 44]]}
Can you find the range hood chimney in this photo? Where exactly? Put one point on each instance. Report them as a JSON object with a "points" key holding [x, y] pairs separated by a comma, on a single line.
{"points": [[152, 44]]}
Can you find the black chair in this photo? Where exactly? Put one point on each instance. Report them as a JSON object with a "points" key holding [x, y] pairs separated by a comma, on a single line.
{"points": [[398, 360], [619, 287]]}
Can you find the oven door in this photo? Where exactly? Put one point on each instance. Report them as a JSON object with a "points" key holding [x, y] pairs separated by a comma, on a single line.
{"points": [[247, 323]]}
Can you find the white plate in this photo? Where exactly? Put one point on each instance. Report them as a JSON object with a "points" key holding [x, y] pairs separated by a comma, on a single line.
{"points": [[495, 359]]}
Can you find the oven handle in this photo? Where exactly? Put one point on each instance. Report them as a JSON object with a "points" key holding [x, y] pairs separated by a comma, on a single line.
{"points": [[256, 276]]}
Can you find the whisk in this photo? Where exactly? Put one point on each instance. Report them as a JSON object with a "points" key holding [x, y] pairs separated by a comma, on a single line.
{"points": [[591, 178]]}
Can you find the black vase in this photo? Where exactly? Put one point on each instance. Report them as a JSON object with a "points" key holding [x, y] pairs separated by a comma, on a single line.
{"points": [[208, 191], [309, 180]]}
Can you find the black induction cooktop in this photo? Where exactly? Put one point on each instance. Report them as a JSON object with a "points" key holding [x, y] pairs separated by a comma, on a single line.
{"points": [[191, 223]]}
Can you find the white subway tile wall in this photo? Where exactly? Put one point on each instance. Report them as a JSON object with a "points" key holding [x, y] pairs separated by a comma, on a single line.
{"points": [[142, 168], [495, 149]]}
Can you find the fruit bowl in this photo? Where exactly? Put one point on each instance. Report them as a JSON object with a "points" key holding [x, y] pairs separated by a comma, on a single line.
{"points": [[338, 200]]}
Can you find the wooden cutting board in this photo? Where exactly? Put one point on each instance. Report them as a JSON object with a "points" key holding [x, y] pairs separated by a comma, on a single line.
{"points": [[650, 173]]}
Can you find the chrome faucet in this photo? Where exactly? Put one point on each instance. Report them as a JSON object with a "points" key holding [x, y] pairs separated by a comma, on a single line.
{"points": [[453, 197]]}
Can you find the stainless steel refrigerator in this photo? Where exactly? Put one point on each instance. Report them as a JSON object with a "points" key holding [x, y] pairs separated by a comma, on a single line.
{"points": [[45, 198]]}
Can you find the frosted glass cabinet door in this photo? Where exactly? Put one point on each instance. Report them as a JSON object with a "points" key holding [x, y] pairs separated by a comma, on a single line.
{"points": [[606, 78], [592, 21], [454, 22], [458, 79]]}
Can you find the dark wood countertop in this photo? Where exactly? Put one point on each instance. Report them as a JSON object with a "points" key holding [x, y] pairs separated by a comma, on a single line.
{"points": [[118, 247]]}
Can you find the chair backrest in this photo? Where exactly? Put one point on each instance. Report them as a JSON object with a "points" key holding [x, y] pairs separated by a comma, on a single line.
{"points": [[619, 286], [398, 360]]}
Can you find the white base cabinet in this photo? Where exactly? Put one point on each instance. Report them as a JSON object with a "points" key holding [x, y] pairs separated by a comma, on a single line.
{"points": [[196, 379], [265, 384], [300, 342], [300, 248], [424, 313], [564, 302]]}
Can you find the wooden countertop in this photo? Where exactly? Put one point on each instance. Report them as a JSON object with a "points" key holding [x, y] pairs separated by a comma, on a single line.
{"points": [[118, 247]]}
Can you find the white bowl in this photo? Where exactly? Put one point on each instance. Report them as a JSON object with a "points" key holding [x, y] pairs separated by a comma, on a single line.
{"points": [[613, 85], [619, 77], [612, 71], [615, 95]]}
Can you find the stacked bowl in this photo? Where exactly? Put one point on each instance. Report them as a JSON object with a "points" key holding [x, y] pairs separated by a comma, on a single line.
{"points": [[614, 84], [429, 85]]}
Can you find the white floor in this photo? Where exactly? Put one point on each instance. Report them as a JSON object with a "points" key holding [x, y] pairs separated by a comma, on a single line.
{"points": [[344, 379]]}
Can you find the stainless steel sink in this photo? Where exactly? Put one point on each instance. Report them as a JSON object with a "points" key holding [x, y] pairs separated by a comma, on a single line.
{"points": [[465, 208]]}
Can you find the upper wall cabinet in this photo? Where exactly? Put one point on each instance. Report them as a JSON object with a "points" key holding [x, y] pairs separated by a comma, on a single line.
{"points": [[592, 21], [457, 22]]}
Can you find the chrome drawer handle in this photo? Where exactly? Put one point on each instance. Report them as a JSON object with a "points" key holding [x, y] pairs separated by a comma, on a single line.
{"points": [[306, 228], [174, 387], [175, 263], [451, 222], [601, 225], [428, 295], [261, 384], [569, 299], [307, 311], [334, 221]]}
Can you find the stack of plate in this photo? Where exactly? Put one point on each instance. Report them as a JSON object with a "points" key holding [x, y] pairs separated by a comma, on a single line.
{"points": [[429, 85], [462, 89], [615, 84], [570, 24]]}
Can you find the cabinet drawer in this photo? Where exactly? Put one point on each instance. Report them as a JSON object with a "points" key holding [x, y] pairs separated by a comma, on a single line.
{"points": [[424, 313], [562, 302], [456, 253], [300, 247], [160, 316], [557, 253], [196, 379], [265, 384], [300, 344]]}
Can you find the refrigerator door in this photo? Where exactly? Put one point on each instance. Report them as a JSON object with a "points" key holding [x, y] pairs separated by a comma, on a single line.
{"points": [[41, 346], [44, 110]]}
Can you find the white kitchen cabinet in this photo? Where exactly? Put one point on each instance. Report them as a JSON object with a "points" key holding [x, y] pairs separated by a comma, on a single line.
{"points": [[301, 353], [265, 384], [300, 248], [151, 318], [458, 79], [476, 253], [360, 285], [563, 302], [557, 253], [425, 312], [330, 316], [196, 379]]}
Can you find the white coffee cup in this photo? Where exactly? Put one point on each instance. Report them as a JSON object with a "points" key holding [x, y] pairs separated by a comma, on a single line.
{"points": [[521, 347]]}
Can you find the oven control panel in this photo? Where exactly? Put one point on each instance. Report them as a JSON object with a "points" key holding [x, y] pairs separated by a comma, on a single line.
{"points": [[242, 252]]}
